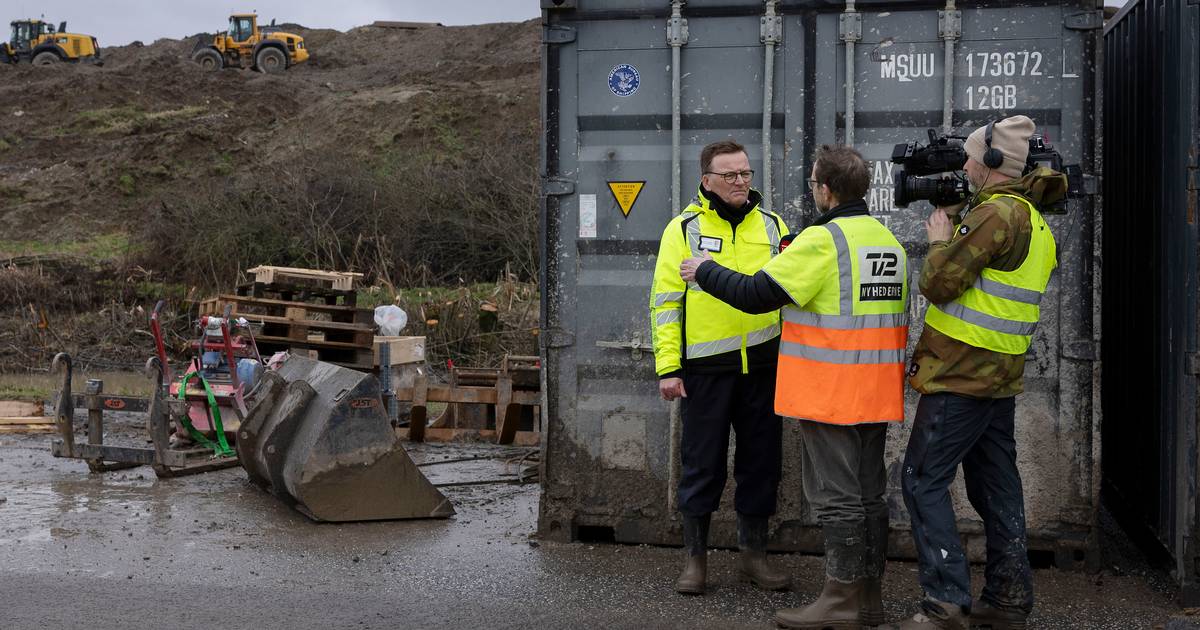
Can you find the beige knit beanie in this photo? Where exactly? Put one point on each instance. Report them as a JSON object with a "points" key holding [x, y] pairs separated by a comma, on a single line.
{"points": [[1009, 135]]}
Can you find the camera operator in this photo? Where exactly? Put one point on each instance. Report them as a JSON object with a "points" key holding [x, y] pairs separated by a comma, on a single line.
{"points": [[984, 277]]}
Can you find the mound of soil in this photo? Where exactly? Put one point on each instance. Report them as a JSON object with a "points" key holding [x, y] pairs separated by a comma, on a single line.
{"points": [[87, 150]]}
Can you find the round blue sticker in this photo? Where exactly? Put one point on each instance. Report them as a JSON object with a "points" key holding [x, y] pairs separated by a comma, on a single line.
{"points": [[624, 80]]}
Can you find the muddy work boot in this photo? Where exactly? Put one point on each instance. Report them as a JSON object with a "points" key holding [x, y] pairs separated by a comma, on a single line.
{"points": [[874, 563], [695, 542], [985, 615], [753, 565], [840, 602], [936, 615]]}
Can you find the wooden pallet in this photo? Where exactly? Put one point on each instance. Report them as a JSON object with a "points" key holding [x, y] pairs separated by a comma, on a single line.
{"points": [[298, 293], [336, 280], [344, 354], [252, 308]]}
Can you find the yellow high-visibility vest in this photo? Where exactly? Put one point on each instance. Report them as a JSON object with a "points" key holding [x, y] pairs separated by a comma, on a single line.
{"points": [[687, 322], [1000, 311]]}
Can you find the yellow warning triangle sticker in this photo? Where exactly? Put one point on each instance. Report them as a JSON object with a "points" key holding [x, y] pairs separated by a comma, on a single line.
{"points": [[626, 193]]}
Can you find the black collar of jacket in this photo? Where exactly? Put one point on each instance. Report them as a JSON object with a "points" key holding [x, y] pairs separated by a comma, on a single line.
{"points": [[856, 208], [733, 215]]}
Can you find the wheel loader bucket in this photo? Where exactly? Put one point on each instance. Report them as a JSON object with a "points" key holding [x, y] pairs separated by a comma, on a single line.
{"points": [[319, 439]]}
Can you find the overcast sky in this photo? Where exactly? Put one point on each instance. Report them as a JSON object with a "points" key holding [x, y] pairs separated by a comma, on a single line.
{"points": [[118, 22]]}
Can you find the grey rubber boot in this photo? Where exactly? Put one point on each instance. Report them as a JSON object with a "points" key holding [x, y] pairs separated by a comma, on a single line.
{"points": [[874, 563], [753, 565], [695, 542], [840, 602]]}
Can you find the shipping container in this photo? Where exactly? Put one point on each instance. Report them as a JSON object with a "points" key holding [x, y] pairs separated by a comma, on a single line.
{"points": [[633, 89], [1151, 177]]}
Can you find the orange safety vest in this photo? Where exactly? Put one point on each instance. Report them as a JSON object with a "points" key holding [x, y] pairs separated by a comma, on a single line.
{"points": [[842, 353]]}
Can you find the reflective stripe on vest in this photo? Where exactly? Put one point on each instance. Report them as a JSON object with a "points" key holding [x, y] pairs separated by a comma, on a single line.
{"points": [[772, 232], [846, 368], [1001, 309], [763, 335], [710, 348], [660, 299], [668, 316]]}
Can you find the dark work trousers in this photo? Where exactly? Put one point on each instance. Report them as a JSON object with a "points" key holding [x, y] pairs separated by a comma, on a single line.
{"points": [[978, 433], [714, 403], [844, 477]]}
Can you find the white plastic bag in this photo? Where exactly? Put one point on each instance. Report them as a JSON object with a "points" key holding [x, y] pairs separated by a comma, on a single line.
{"points": [[391, 319]]}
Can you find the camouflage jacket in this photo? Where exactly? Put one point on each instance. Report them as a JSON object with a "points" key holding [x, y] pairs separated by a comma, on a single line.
{"points": [[996, 234]]}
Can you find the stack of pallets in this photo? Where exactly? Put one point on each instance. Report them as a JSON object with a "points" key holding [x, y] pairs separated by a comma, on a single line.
{"points": [[305, 311]]}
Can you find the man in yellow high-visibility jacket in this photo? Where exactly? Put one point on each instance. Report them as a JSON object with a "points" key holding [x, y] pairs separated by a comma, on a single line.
{"points": [[721, 363], [984, 279]]}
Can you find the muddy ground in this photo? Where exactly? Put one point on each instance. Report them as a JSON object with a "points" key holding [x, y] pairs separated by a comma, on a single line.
{"points": [[125, 549]]}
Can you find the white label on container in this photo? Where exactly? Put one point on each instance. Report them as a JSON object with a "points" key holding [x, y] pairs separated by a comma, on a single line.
{"points": [[587, 216]]}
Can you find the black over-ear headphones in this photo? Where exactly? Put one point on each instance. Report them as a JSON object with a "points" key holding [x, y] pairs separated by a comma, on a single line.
{"points": [[992, 157]]}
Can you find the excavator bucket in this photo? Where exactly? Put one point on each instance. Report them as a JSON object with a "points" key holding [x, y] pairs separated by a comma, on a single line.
{"points": [[319, 439]]}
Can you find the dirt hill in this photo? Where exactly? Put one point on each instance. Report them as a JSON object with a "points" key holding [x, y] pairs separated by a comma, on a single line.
{"points": [[397, 117]]}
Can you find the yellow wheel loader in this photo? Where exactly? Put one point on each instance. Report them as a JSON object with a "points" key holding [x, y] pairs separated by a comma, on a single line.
{"points": [[38, 42], [245, 45]]}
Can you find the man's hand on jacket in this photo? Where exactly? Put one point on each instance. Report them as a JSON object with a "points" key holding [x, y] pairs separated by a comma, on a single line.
{"points": [[687, 268]]}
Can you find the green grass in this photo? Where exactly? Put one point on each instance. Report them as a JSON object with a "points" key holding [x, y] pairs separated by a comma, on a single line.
{"points": [[127, 185], [370, 297], [127, 118], [101, 247], [24, 393], [223, 165]]}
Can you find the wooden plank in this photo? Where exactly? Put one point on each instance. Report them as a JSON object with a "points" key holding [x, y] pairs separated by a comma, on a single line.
{"points": [[256, 301], [27, 420], [338, 280], [402, 349], [318, 324], [21, 408], [316, 345], [27, 428]]}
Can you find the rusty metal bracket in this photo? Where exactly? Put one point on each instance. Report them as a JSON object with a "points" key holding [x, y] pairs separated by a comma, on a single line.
{"points": [[558, 34]]}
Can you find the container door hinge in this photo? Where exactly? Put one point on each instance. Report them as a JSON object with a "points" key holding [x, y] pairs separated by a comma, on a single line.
{"points": [[558, 34], [850, 26], [1085, 21], [770, 29], [636, 346], [1080, 351], [557, 338], [557, 186], [950, 24], [677, 31], [1193, 363]]}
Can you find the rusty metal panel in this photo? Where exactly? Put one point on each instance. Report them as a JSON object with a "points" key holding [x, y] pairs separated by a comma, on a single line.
{"points": [[1152, 59], [610, 459]]}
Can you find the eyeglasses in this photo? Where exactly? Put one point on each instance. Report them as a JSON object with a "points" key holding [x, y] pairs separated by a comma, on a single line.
{"points": [[732, 176], [812, 184]]}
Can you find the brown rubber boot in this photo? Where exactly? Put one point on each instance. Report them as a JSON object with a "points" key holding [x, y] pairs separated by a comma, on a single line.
{"points": [[753, 565], [985, 615], [936, 615], [837, 607], [875, 562], [694, 576], [840, 602]]}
